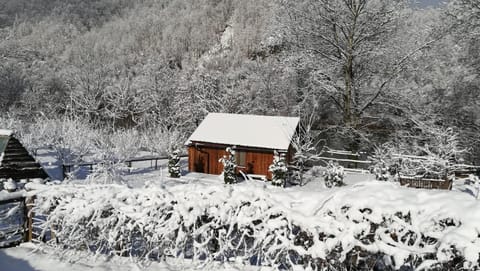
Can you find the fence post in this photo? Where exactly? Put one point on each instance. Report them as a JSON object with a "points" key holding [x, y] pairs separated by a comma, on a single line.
{"points": [[29, 202]]}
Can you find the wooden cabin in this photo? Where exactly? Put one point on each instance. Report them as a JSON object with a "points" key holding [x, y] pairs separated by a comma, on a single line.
{"points": [[254, 139], [15, 161]]}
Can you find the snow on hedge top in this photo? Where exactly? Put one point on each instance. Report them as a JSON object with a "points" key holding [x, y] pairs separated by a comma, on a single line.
{"points": [[4, 132], [270, 132]]}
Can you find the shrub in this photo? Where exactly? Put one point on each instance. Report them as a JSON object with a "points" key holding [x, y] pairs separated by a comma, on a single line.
{"points": [[333, 175], [279, 169], [174, 164], [229, 166]]}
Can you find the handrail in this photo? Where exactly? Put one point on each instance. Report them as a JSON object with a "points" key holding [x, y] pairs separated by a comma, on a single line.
{"points": [[138, 159]]}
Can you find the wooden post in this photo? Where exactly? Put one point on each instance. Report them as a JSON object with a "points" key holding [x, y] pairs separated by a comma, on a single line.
{"points": [[129, 165], [52, 234], [29, 202], [156, 164]]}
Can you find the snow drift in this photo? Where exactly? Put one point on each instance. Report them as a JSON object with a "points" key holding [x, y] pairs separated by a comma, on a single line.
{"points": [[370, 225]]}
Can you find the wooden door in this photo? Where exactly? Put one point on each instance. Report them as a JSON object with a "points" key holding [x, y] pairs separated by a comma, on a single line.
{"points": [[201, 162]]}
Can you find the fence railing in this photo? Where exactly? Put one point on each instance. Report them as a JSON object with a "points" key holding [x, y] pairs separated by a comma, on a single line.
{"points": [[427, 183], [67, 168], [347, 159]]}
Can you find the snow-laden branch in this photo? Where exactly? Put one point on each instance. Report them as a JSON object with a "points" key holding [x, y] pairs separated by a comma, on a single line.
{"points": [[222, 223]]}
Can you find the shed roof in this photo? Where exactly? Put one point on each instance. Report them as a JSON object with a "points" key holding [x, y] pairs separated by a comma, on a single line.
{"points": [[4, 132], [270, 132], [15, 161]]}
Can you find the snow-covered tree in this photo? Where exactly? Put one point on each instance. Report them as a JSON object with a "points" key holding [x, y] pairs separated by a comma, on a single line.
{"points": [[161, 140], [174, 164], [12, 85], [113, 150], [229, 166], [279, 169], [71, 138], [381, 172], [359, 43], [305, 145], [333, 175]]}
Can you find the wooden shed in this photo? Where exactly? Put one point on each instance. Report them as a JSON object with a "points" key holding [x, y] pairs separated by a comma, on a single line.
{"points": [[15, 161], [254, 139]]}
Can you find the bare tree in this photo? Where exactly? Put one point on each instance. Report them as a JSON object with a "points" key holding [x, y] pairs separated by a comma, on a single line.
{"points": [[306, 145], [356, 42]]}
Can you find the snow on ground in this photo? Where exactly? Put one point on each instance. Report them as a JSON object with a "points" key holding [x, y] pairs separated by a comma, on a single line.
{"points": [[27, 257]]}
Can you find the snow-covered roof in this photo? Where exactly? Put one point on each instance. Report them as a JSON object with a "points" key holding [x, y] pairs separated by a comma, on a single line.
{"points": [[270, 132], [4, 132]]}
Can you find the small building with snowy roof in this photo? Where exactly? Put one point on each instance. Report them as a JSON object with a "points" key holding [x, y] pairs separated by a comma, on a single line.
{"points": [[15, 161], [253, 137]]}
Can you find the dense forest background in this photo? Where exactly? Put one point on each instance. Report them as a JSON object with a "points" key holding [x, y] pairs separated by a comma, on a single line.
{"points": [[360, 73]]}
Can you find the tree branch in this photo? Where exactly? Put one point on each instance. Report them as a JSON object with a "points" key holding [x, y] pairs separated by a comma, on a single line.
{"points": [[397, 67]]}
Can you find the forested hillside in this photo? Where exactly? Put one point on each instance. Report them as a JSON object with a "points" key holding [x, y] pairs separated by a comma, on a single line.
{"points": [[364, 72]]}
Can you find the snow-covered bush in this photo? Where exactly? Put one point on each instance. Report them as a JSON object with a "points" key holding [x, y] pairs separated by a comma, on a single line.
{"points": [[382, 172], [333, 175], [431, 153], [279, 169], [229, 166], [174, 164], [350, 228]]}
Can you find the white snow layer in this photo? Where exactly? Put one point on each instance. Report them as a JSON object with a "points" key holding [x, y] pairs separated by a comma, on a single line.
{"points": [[377, 217], [271, 132], [28, 257], [4, 132]]}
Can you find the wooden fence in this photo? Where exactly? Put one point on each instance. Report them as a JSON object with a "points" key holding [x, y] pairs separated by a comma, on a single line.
{"points": [[66, 168], [347, 159], [426, 183], [463, 171]]}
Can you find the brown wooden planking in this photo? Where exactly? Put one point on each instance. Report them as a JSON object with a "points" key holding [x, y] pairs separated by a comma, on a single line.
{"points": [[426, 183], [257, 161]]}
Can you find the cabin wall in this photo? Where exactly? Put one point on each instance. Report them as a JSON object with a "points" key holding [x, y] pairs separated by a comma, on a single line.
{"points": [[205, 159]]}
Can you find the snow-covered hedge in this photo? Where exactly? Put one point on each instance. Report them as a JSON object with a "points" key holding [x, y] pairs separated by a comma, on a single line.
{"points": [[367, 224]]}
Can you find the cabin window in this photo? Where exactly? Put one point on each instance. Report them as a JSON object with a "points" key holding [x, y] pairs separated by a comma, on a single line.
{"points": [[241, 158]]}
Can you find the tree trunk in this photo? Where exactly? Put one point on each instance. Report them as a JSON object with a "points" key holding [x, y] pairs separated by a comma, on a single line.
{"points": [[349, 112]]}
